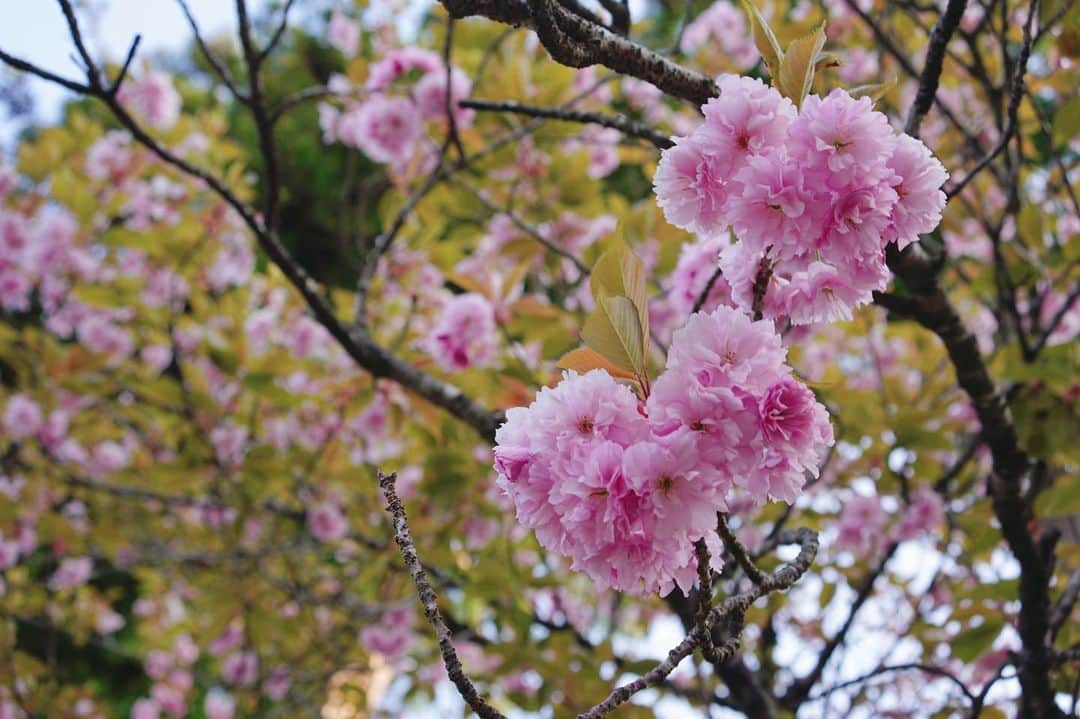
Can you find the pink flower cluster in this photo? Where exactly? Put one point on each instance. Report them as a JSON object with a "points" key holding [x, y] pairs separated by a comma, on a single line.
{"points": [[464, 333], [819, 192], [625, 488], [388, 126], [154, 97]]}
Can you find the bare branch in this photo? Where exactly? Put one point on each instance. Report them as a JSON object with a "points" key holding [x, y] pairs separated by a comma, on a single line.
{"points": [[737, 550], [576, 42], [800, 688], [1016, 94], [211, 59], [889, 669], [935, 56], [263, 124], [732, 608], [622, 124], [430, 601]]}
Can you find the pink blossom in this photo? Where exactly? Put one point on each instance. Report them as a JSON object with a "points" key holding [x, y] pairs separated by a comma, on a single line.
{"points": [[794, 424], [842, 140], [73, 572], [858, 65], [550, 439], [145, 709], [726, 348], [99, 334], [109, 622], [692, 186], [861, 521], [464, 333], [430, 96], [170, 699], [7, 180], [327, 522], [230, 442], [229, 639], [389, 636], [22, 417], [698, 262], [684, 494], [153, 96], [109, 456], [9, 553], [343, 33], [724, 24], [602, 147], [824, 293], [110, 158], [774, 206], [747, 118], [15, 289], [156, 357], [920, 177], [400, 62], [240, 669], [219, 704], [157, 664], [277, 683], [923, 515], [386, 129]]}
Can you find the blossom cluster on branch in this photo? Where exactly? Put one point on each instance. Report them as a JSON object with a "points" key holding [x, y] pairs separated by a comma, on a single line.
{"points": [[817, 193]]}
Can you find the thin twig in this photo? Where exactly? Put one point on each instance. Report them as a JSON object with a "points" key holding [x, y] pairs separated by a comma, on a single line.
{"points": [[211, 59], [738, 550], [430, 601], [1016, 94], [622, 124]]}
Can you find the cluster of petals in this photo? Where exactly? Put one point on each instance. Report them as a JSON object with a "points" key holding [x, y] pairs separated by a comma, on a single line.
{"points": [[625, 488], [404, 89], [464, 334], [816, 194], [154, 97]]}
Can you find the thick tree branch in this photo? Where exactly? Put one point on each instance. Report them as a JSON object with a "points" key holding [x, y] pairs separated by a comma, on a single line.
{"points": [[935, 56], [932, 309], [574, 41]]}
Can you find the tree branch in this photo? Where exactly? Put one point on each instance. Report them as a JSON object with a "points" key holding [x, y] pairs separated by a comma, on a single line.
{"points": [[430, 601], [576, 42], [622, 124]]}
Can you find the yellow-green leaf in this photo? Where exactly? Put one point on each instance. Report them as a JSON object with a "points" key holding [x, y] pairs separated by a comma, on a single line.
{"points": [[876, 91], [797, 65], [971, 643], [1067, 122], [766, 41], [584, 359], [614, 331], [621, 273]]}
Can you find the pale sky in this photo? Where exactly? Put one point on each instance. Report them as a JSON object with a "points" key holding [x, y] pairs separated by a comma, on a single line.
{"points": [[34, 30]]}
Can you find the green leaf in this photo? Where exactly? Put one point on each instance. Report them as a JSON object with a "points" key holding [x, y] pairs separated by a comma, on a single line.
{"points": [[1061, 499], [1066, 123], [766, 41], [875, 91], [614, 331], [970, 643], [797, 65], [621, 273]]}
